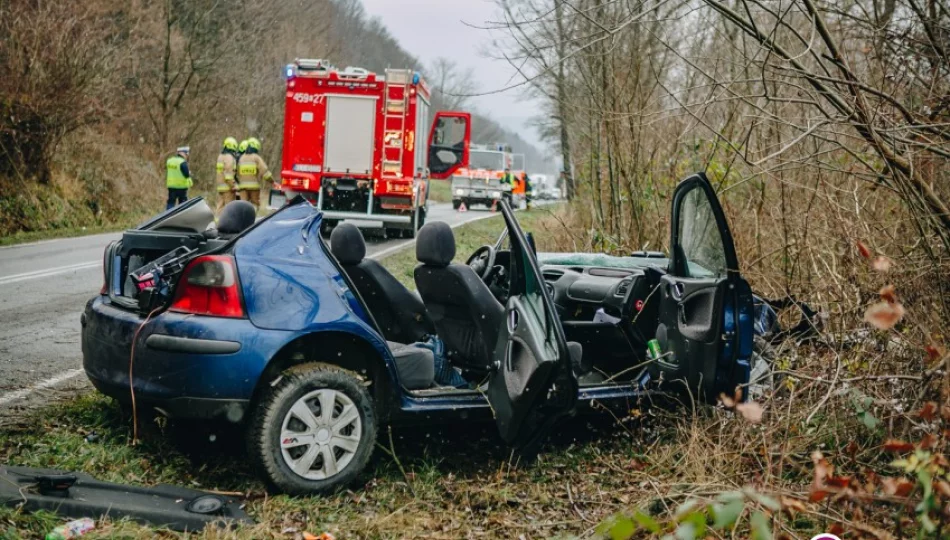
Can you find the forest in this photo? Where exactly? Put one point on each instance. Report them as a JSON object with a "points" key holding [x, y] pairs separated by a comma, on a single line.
{"points": [[99, 93]]}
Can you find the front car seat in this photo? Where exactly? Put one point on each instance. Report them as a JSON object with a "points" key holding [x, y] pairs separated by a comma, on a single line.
{"points": [[466, 314], [401, 315]]}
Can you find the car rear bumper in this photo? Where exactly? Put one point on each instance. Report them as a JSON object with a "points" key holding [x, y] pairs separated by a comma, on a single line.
{"points": [[187, 366]]}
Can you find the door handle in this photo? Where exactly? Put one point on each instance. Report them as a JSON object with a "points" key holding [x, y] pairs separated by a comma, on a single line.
{"points": [[513, 319], [676, 291]]}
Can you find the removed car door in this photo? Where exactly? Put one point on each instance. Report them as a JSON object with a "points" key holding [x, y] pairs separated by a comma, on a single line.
{"points": [[532, 384], [705, 316]]}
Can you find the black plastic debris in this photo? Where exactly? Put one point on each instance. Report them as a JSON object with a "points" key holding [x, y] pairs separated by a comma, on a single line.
{"points": [[78, 495]]}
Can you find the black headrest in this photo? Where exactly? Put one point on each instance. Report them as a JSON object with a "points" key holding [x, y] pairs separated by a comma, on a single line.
{"points": [[435, 244], [236, 217], [347, 244]]}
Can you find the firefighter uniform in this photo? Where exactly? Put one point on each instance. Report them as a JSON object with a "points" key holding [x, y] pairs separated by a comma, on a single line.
{"points": [[225, 171], [177, 178], [252, 172]]}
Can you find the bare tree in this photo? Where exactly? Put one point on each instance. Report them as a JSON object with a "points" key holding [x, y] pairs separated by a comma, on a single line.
{"points": [[55, 60], [451, 85]]}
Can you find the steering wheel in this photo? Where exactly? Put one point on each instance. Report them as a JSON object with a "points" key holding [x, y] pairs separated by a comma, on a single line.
{"points": [[482, 261]]}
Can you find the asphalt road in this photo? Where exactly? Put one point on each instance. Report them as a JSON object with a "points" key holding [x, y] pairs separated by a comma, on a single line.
{"points": [[44, 287]]}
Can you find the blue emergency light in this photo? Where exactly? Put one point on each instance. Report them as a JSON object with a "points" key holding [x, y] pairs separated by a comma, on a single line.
{"points": [[289, 72], [415, 78]]}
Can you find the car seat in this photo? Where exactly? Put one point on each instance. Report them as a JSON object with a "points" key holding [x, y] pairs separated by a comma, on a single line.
{"points": [[465, 312], [415, 365], [236, 217], [400, 314]]}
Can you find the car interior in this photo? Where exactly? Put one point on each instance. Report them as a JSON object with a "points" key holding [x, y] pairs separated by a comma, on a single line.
{"points": [[604, 309], [608, 307], [399, 313], [177, 234], [455, 303]]}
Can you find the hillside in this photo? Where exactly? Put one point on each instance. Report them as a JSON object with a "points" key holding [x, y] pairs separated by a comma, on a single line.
{"points": [[106, 89]]}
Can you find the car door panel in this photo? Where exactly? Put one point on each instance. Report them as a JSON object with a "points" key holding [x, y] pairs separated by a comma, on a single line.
{"points": [[531, 384], [698, 304], [527, 365], [702, 331], [690, 328]]}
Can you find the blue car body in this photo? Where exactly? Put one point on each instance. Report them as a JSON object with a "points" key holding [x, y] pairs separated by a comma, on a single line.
{"points": [[293, 289]]}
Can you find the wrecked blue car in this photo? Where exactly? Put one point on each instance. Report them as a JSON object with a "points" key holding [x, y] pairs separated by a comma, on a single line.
{"points": [[312, 347]]}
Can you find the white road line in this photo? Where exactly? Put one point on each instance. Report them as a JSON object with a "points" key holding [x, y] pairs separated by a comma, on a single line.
{"points": [[52, 381], [49, 272]]}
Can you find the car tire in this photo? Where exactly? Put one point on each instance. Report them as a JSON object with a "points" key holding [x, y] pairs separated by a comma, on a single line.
{"points": [[342, 442], [456, 205]]}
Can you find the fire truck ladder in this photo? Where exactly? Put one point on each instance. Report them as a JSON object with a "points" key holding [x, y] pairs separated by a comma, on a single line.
{"points": [[394, 118]]}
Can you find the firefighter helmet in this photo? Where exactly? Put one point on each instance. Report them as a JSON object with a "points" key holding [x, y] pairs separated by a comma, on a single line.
{"points": [[230, 143], [254, 143], [243, 146]]}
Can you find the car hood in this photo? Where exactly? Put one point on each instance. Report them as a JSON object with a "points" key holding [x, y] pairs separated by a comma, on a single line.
{"points": [[600, 260]]}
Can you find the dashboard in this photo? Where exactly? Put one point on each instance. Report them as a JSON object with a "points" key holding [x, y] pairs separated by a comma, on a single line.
{"points": [[578, 292]]}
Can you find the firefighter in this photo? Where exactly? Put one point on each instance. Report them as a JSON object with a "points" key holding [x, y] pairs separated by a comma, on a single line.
{"points": [[177, 177], [225, 169], [252, 171], [242, 148]]}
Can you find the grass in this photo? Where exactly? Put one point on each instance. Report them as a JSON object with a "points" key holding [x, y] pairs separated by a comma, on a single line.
{"points": [[440, 190], [459, 482]]}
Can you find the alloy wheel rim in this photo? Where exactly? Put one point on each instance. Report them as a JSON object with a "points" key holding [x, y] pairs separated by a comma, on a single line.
{"points": [[320, 434]]}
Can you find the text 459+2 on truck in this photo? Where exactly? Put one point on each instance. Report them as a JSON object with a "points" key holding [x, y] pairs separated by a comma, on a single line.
{"points": [[355, 144]]}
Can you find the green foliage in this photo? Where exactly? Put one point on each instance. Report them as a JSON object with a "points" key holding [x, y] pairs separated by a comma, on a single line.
{"points": [[926, 468], [694, 517], [862, 406]]}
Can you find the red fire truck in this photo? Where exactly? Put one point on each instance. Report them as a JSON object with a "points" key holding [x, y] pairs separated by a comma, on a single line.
{"points": [[355, 144]]}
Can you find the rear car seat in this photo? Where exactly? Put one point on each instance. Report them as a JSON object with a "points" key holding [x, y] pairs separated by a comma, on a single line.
{"points": [[236, 217], [415, 365]]}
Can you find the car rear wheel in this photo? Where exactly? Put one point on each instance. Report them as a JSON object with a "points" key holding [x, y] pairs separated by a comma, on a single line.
{"points": [[314, 430]]}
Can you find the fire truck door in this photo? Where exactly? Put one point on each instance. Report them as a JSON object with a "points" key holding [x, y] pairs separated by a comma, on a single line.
{"points": [[449, 142]]}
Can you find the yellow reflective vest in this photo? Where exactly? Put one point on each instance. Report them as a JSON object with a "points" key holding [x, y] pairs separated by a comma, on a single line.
{"points": [[174, 178], [224, 172], [252, 170]]}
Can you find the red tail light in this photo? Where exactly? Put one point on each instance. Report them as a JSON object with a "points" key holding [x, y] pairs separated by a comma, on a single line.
{"points": [[209, 286]]}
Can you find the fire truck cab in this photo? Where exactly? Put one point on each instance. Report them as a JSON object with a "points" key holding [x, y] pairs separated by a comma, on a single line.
{"points": [[355, 144]]}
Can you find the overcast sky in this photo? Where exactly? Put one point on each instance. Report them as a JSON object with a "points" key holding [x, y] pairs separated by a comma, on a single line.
{"points": [[433, 28]]}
